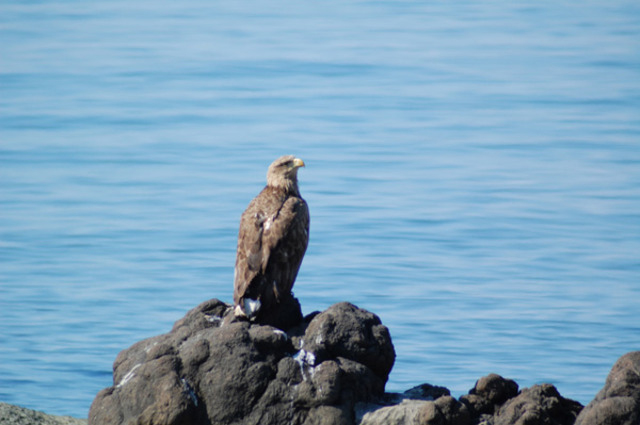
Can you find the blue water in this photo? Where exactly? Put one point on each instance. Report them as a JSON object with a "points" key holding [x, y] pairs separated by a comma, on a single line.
{"points": [[473, 176]]}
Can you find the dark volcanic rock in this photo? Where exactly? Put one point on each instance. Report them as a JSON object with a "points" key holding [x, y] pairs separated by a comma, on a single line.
{"points": [[618, 402], [445, 411], [540, 404], [426, 392], [488, 394], [288, 314], [328, 368], [495, 400], [16, 415], [213, 369], [346, 331]]}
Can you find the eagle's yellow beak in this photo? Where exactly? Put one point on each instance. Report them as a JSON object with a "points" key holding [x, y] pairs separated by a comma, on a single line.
{"points": [[298, 163]]}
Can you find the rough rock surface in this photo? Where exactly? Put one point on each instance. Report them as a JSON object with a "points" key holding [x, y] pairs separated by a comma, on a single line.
{"points": [[328, 368], [16, 415], [422, 405], [540, 404], [494, 400], [213, 369], [489, 393], [618, 402], [405, 412]]}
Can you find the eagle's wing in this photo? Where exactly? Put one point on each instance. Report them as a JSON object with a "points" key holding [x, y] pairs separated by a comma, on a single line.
{"points": [[270, 230], [249, 253], [284, 244]]}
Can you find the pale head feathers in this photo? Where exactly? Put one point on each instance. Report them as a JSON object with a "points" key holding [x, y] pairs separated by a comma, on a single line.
{"points": [[283, 173]]}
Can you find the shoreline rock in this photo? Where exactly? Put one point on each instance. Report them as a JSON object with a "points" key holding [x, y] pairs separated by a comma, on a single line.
{"points": [[618, 402], [16, 415], [212, 368], [331, 368]]}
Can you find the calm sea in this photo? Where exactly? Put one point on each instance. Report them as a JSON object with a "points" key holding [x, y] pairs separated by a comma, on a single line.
{"points": [[473, 175]]}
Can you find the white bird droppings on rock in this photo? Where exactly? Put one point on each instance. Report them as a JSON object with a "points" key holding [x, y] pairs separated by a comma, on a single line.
{"points": [[128, 376]]}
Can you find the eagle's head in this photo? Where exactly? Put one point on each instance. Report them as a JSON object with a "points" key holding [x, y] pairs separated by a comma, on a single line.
{"points": [[283, 173]]}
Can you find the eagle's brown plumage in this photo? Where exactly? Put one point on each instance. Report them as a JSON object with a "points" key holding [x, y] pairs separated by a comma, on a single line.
{"points": [[273, 237]]}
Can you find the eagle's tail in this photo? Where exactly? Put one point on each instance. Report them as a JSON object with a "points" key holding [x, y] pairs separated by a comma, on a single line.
{"points": [[248, 308]]}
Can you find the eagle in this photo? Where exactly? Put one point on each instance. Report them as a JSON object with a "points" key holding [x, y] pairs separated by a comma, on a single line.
{"points": [[273, 238]]}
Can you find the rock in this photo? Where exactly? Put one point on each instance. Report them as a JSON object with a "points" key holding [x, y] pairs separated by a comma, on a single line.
{"points": [[16, 415], [401, 410], [406, 412], [445, 411], [489, 392], [618, 402], [426, 392], [540, 404], [215, 369], [327, 368], [346, 331]]}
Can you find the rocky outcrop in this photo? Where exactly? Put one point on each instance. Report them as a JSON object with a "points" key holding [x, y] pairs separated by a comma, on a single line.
{"points": [[494, 400], [489, 393], [213, 369], [424, 404], [326, 368], [16, 415], [618, 402], [540, 404]]}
